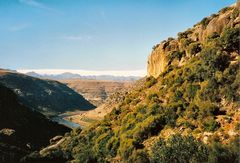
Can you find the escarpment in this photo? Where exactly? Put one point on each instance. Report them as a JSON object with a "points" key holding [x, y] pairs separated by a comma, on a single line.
{"points": [[189, 42]]}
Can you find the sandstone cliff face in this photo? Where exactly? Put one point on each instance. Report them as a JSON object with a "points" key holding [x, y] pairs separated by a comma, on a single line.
{"points": [[159, 59]]}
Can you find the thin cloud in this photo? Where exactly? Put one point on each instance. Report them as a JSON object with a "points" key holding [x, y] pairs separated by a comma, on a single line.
{"points": [[19, 27], [34, 3], [76, 37]]}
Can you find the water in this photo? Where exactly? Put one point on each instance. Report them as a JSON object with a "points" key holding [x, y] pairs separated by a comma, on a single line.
{"points": [[60, 119]]}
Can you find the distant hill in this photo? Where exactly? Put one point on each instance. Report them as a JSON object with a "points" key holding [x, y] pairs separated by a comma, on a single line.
{"points": [[22, 130], [96, 91], [46, 96], [68, 75]]}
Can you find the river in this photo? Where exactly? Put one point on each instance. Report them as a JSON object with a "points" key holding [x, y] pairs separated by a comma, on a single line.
{"points": [[60, 119]]}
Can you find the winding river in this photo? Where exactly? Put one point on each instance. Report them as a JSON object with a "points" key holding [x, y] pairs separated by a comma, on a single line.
{"points": [[60, 119]]}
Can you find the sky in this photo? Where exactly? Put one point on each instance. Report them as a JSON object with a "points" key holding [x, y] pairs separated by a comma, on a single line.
{"points": [[99, 35]]}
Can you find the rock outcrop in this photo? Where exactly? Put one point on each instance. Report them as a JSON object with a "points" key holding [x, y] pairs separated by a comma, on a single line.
{"points": [[160, 58]]}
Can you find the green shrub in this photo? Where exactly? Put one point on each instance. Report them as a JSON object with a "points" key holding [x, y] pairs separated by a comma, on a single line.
{"points": [[211, 125], [184, 34], [176, 54], [185, 42], [206, 109], [138, 156], [204, 22], [177, 96], [179, 149], [235, 13], [126, 148], [149, 127], [225, 153], [213, 36], [152, 96], [194, 48], [231, 39], [150, 81], [215, 60], [112, 146], [191, 91], [225, 9]]}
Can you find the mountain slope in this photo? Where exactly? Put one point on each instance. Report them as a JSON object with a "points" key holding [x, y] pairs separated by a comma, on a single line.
{"points": [[22, 130], [186, 111], [46, 96]]}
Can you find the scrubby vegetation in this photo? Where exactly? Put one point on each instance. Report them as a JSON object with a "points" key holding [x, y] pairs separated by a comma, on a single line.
{"points": [[184, 115]]}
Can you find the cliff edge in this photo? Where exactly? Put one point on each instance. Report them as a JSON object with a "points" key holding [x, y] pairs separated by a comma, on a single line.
{"points": [[189, 42]]}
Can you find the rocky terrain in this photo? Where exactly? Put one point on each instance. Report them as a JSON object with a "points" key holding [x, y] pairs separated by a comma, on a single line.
{"points": [[46, 96], [215, 24], [96, 91], [187, 110]]}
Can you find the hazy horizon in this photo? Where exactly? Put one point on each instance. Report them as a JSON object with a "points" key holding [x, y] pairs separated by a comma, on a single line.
{"points": [[135, 73]]}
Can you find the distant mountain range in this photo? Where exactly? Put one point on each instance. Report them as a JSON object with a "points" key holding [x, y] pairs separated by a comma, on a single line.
{"points": [[69, 75]]}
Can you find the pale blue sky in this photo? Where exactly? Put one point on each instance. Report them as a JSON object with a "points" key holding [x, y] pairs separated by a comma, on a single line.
{"points": [[92, 34]]}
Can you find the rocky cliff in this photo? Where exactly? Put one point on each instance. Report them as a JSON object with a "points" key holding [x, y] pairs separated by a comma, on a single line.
{"points": [[188, 42]]}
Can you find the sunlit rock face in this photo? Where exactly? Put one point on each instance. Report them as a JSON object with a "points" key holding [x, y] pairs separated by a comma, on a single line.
{"points": [[158, 60]]}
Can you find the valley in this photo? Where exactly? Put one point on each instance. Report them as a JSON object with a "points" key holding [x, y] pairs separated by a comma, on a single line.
{"points": [[185, 110], [96, 91]]}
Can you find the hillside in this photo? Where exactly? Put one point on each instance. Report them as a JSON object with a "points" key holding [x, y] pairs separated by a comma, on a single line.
{"points": [[96, 91], [115, 95], [46, 96], [21, 130], [187, 110]]}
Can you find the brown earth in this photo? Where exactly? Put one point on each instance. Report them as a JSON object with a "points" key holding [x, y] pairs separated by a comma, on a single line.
{"points": [[96, 91], [85, 118]]}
